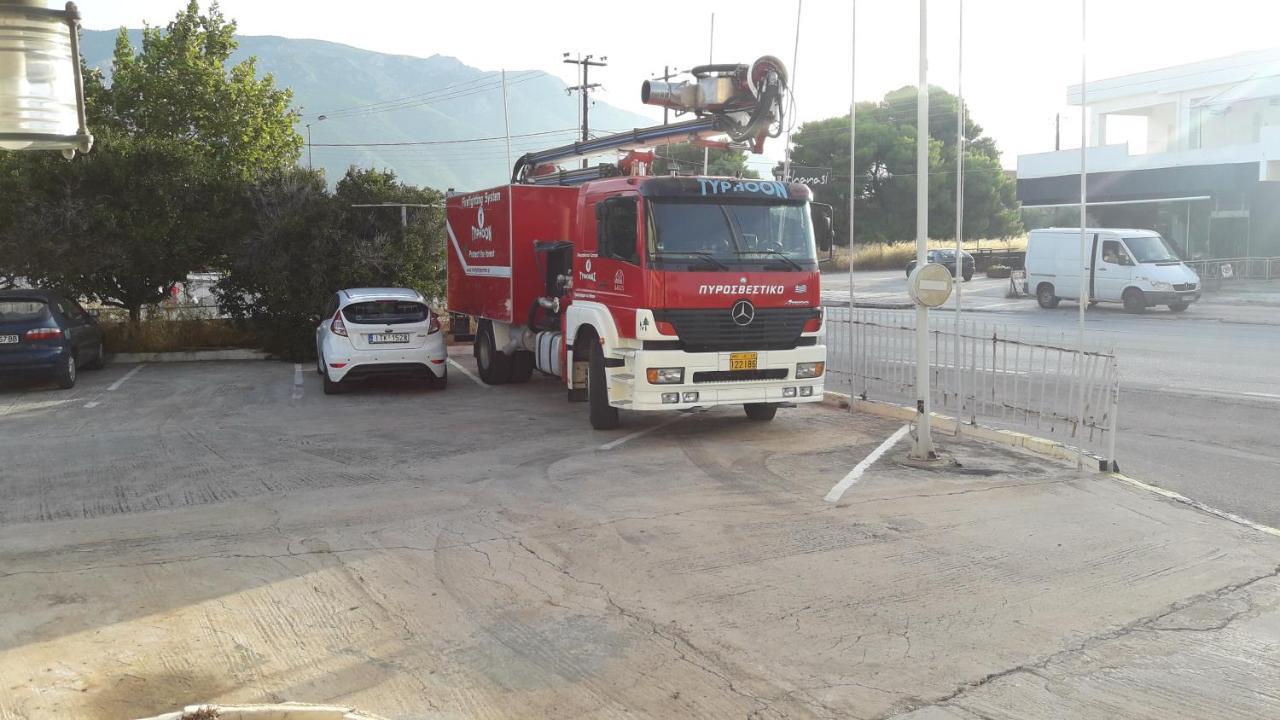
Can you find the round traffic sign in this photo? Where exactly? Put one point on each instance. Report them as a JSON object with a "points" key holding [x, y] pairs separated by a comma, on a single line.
{"points": [[930, 285]]}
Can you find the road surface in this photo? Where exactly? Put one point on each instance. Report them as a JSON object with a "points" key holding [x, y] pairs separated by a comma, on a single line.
{"points": [[1200, 391]]}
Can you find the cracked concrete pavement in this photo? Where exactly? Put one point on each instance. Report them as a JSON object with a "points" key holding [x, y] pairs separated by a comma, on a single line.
{"points": [[210, 534]]}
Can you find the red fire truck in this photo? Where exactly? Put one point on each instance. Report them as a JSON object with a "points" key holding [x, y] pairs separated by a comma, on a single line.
{"points": [[650, 293]]}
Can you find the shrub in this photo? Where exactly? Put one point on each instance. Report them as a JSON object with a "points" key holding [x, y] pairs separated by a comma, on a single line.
{"points": [[175, 336], [895, 256]]}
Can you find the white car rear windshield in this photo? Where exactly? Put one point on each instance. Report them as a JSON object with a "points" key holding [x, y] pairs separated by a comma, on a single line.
{"points": [[385, 312]]}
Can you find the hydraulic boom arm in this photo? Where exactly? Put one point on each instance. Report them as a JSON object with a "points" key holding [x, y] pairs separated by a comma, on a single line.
{"points": [[743, 102]]}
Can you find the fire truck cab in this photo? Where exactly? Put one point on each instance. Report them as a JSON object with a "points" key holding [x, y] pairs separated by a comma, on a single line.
{"points": [[646, 293]]}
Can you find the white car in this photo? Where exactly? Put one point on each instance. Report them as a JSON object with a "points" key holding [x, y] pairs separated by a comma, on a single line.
{"points": [[368, 332]]}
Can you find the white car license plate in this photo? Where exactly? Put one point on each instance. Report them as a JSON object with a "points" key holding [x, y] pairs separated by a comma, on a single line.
{"points": [[386, 338], [8, 339]]}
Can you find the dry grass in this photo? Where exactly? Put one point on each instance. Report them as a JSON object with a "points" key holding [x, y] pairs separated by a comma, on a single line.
{"points": [[895, 256], [176, 336]]}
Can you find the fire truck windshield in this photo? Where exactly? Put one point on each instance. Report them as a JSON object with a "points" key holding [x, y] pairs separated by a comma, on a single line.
{"points": [[690, 234]]}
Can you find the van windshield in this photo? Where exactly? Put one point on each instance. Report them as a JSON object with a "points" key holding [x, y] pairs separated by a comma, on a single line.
{"points": [[1151, 249]]}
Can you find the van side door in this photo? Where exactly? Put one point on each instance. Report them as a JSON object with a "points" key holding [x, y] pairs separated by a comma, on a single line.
{"points": [[1113, 271]]}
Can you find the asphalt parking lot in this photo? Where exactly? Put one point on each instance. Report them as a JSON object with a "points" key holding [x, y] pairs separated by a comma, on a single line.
{"points": [[223, 532]]}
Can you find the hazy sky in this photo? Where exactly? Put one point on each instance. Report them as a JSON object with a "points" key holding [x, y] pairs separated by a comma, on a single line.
{"points": [[1019, 54]]}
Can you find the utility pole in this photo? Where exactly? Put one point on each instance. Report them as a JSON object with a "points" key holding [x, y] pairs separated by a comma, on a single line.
{"points": [[585, 87], [666, 75], [1057, 132], [404, 211], [322, 118], [795, 59], [711, 54], [923, 449]]}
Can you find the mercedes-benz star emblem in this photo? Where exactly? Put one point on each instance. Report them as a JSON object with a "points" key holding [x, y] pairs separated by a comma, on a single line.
{"points": [[743, 312]]}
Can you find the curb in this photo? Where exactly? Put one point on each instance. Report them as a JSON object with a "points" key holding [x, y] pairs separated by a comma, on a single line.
{"points": [[1043, 447], [192, 356]]}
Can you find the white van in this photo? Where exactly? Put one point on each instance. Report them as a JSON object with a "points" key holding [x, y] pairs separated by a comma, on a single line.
{"points": [[1134, 267]]}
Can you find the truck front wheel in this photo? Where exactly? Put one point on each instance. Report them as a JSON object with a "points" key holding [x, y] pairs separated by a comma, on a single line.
{"points": [[603, 415], [761, 412], [493, 364]]}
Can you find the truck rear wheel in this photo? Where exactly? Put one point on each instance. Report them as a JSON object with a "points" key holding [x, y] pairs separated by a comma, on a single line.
{"points": [[493, 365], [761, 412], [603, 415]]}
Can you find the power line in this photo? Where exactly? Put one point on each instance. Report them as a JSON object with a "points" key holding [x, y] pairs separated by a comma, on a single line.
{"points": [[429, 98], [489, 81], [440, 142]]}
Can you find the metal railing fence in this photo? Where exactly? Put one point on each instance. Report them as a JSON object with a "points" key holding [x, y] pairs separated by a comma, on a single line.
{"points": [[1026, 379]]}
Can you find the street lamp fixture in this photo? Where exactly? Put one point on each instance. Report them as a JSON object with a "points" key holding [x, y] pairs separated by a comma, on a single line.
{"points": [[41, 85]]}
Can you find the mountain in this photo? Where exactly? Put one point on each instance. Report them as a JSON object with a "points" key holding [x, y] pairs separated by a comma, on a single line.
{"points": [[371, 97]]}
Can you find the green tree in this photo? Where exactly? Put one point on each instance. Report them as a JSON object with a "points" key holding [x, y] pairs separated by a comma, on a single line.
{"points": [[387, 252], [687, 159], [885, 169], [179, 87], [305, 244], [176, 133], [92, 229]]}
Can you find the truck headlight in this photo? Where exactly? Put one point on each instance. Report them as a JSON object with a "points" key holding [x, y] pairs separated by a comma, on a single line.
{"points": [[665, 376], [810, 370], [1161, 285]]}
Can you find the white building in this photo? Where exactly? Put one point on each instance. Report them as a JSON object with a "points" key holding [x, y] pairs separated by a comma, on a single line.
{"points": [[1202, 164]]}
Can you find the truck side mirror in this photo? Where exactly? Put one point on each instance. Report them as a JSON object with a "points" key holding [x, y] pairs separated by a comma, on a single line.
{"points": [[823, 229]]}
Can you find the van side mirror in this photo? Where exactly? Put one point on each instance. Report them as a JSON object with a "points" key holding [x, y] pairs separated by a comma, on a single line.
{"points": [[823, 227]]}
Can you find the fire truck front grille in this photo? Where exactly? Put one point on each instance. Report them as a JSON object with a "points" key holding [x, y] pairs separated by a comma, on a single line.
{"points": [[709, 376], [714, 330]]}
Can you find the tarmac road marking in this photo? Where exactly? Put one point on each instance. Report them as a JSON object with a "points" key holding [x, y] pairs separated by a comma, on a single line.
{"points": [[116, 385], [297, 381], [1178, 497], [640, 433], [92, 404], [856, 473], [467, 372]]}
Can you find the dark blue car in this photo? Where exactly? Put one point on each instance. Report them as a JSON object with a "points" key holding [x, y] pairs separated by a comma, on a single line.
{"points": [[45, 334]]}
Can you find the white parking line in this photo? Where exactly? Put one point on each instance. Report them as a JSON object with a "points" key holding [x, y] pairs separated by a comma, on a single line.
{"points": [[116, 385], [464, 371], [1178, 497], [297, 381], [92, 404], [640, 433], [856, 473]]}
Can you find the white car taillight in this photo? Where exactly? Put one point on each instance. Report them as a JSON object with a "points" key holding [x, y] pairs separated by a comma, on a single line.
{"points": [[434, 327], [337, 326]]}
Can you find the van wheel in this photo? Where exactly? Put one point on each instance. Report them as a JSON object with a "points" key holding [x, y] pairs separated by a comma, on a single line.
{"points": [[494, 365], [1134, 301], [603, 415], [760, 412], [1179, 306], [1045, 296]]}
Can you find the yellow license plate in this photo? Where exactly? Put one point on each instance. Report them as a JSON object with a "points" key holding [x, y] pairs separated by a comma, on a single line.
{"points": [[742, 361]]}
